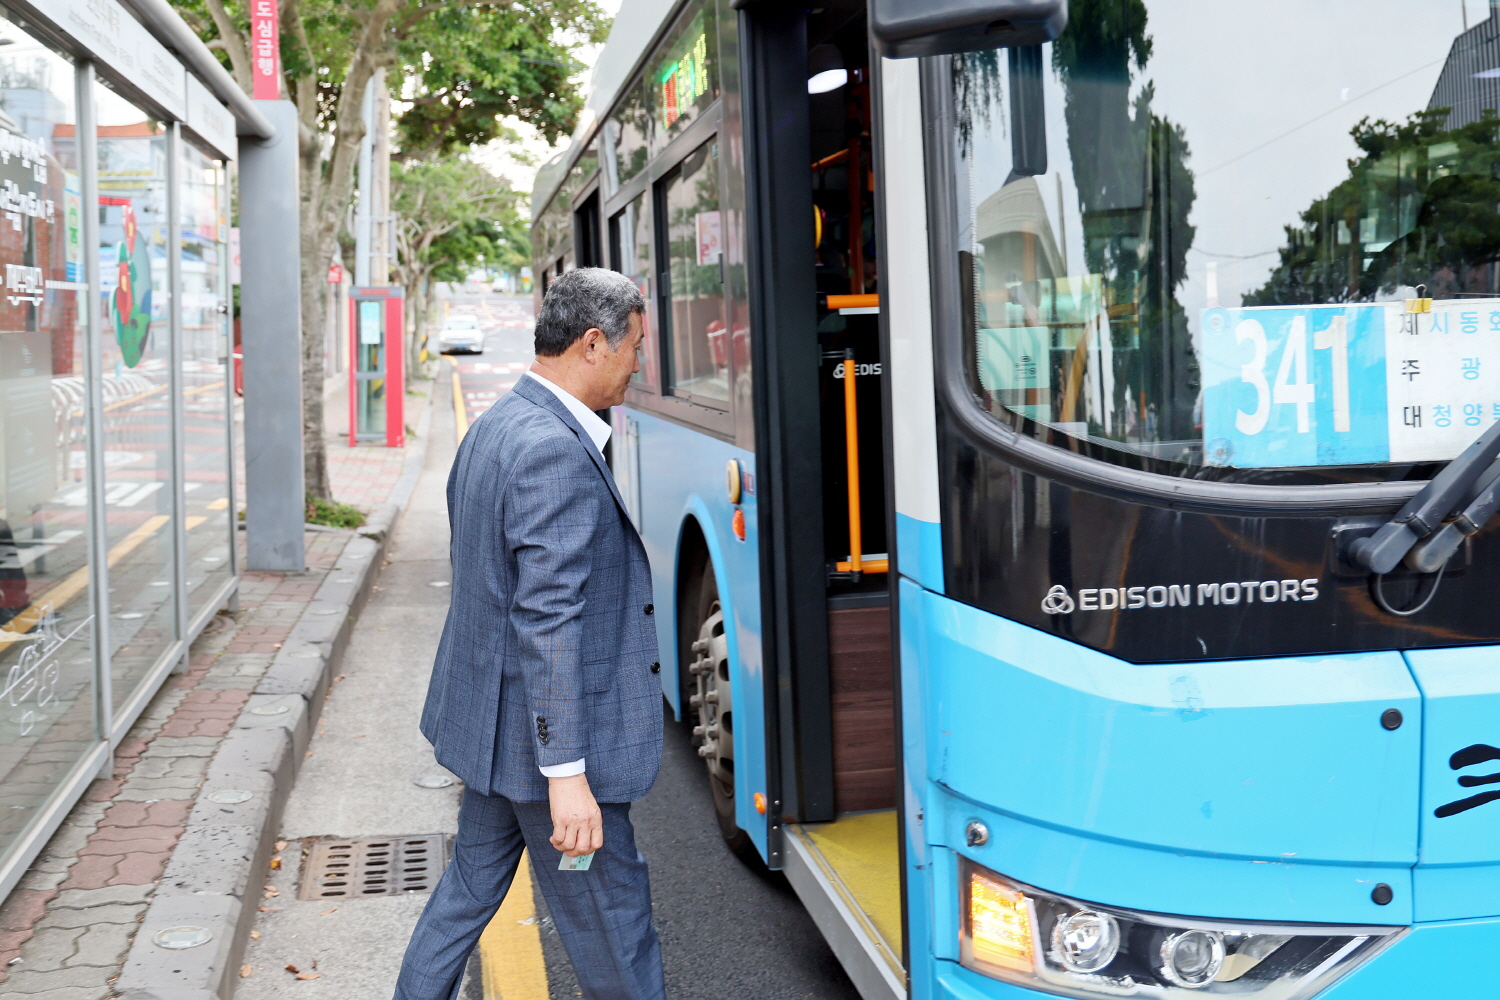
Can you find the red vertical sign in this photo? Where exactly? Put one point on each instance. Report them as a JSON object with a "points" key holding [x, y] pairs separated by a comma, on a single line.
{"points": [[265, 49]]}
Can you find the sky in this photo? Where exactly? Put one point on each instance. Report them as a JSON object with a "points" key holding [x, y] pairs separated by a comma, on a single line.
{"points": [[517, 162]]}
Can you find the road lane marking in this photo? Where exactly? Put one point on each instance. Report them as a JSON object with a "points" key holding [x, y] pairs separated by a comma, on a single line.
{"points": [[510, 949], [458, 403], [70, 585]]}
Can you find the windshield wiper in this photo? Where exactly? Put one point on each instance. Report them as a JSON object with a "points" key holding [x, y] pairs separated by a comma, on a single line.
{"points": [[1432, 552], [1437, 502]]}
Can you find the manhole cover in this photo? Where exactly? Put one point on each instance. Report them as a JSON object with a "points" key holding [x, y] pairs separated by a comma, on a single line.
{"points": [[377, 866]]}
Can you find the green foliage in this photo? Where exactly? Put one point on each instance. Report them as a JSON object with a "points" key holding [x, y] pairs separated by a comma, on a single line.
{"points": [[1103, 38], [481, 243], [332, 513], [476, 63], [456, 67], [1420, 207], [454, 215]]}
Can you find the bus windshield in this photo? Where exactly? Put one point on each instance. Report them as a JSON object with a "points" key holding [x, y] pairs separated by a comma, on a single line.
{"points": [[1195, 236]]}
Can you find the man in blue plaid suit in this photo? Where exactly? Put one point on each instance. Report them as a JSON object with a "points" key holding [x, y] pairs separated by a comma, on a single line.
{"points": [[546, 695]]}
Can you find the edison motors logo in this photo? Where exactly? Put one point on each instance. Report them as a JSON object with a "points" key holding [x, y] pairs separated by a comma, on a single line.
{"points": [[1059, 602]]}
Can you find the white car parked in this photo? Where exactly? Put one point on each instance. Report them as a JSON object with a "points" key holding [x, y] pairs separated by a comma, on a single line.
{"points": [[461, 333]]}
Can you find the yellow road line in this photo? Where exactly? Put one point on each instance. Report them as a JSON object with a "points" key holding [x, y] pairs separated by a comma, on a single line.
{"points": [[458, 403], [510, 949], [70, 585], [218, 504], [159, 388], [136, 398]]}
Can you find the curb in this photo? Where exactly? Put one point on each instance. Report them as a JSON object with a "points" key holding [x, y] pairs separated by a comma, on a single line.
{"points": [[210, 880]]}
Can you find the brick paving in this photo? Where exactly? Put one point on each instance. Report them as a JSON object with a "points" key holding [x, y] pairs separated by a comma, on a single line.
{"points": [[362, 475], [66, 928]]}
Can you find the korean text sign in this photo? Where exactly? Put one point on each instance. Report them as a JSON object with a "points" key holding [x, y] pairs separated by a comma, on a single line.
{"points": [[1348, 384], [265, 49]]}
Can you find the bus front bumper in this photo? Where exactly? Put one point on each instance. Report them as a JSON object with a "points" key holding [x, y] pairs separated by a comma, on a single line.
{"points": [[1446, 959]]}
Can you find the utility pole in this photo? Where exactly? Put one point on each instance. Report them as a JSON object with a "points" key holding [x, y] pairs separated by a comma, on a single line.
{"points": [[372, 220], [364, 211], [382, 237]]}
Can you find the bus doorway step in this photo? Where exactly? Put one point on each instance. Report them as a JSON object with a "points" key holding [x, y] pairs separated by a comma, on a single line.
{"points": [[847, 875]]}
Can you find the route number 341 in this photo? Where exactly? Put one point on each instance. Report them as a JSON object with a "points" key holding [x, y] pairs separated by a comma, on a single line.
{"points": [[1293, 383]]}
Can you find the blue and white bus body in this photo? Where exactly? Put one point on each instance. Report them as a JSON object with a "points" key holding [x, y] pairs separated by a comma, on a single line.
{"points": [[1242, 779], [685, 470]]}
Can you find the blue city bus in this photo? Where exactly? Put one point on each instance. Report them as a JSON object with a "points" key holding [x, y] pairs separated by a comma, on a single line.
{"points": [[1065, 445]]}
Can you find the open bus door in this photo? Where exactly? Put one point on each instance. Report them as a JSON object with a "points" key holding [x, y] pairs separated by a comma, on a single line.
{"points": [[812, 188]]}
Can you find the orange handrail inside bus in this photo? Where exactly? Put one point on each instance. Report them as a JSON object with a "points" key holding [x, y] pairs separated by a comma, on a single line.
{"points": [[870, 301], [856, 563], [851, 445], [829, 161]]}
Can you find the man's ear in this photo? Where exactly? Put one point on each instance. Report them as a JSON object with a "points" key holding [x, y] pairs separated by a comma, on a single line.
{"points": [[593, 339]]}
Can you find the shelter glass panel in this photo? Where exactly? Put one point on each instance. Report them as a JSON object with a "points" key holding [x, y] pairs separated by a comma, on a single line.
{"points": [[693, 282], [46, 626], [205, 346], [135, 355], [1214, 260]]}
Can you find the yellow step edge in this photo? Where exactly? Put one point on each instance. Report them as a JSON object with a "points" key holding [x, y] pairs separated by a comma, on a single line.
{"points": [[862, 853]]}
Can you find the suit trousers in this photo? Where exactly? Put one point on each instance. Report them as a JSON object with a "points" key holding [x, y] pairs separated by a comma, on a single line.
{"points": [[603, 915]]}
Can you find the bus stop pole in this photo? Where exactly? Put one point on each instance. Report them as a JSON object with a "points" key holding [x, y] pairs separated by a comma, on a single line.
{"points": [[271, 332]]}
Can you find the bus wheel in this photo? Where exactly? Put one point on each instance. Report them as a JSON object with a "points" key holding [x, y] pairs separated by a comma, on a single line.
{"points": [[712, 702]]}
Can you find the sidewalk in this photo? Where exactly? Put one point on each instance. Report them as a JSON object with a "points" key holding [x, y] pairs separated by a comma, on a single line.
{"points": [[362, 476], [66, 930]]}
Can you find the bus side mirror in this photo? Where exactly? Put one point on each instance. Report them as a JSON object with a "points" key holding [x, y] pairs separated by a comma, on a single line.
{"points": [[904, 28]]}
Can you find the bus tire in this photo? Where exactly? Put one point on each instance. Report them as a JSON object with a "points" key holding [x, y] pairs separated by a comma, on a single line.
{"points": [[710, 701]]}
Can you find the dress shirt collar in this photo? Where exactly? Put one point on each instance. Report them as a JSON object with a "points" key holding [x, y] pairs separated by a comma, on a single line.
{"points": [[597, 430]]}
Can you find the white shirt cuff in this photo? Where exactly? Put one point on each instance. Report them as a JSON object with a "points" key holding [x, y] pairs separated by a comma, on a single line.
{"points": [[567, 770]]}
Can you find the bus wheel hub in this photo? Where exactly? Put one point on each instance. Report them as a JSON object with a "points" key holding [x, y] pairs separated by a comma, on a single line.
{"points": [[712, 698]]}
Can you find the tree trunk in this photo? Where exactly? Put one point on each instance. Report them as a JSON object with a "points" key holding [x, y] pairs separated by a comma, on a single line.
{"points": [[414, 329], [429, 293], [418, 314], [314, 321]]}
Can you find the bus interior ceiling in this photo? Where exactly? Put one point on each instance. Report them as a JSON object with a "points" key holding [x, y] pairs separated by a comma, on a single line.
{"points": [[843, 187]]}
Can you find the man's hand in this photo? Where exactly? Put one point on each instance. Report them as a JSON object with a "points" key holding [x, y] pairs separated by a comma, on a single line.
{"points": [[577, 826]]}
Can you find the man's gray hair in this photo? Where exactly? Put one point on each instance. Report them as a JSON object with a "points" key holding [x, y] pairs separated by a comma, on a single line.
{"points": [[583, 299]]}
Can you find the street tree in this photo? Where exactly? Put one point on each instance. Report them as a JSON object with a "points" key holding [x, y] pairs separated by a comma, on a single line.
{"points": [[456, 68], [450, 214]]}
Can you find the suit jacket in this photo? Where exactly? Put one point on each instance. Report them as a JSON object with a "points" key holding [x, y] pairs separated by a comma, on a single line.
{"points": [[548, 650]]}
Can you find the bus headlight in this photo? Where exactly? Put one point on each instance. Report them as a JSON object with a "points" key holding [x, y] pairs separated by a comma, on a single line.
{"points": [[1086, 940], [1191, 959], [1043, 941]]}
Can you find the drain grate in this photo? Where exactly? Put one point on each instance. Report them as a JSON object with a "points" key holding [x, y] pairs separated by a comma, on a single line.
{"points": [[375, 866]]}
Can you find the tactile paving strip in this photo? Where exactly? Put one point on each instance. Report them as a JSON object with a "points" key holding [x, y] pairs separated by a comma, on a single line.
{"points": [[374, 866]]}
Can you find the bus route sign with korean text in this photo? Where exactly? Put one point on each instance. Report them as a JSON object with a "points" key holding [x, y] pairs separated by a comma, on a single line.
{"points": [[1348, 384]]}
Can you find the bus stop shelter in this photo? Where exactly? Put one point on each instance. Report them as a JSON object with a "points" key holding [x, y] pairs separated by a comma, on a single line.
{"points": [[123, 146]]}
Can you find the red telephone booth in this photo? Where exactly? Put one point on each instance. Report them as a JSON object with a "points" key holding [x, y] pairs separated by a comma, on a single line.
{"points": [[377, 373]]}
